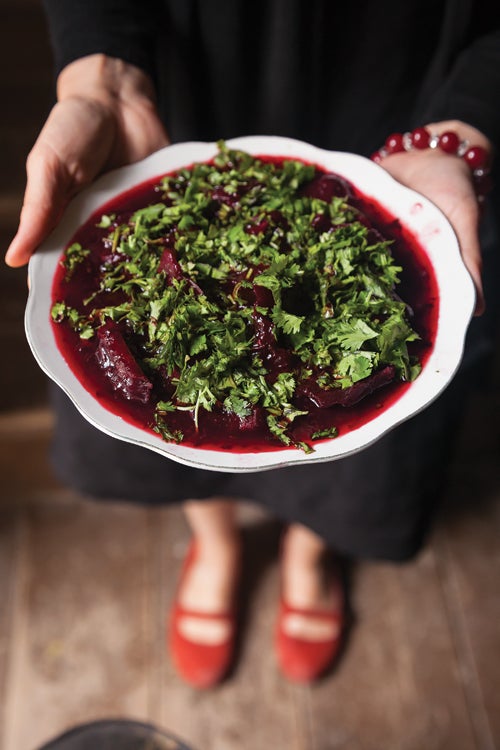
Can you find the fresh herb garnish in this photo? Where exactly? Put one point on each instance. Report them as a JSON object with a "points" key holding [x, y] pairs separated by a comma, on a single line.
{"points": [[239, 287]]}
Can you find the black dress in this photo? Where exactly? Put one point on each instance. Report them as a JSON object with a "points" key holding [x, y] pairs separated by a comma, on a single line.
{"points": [[342, 76]]}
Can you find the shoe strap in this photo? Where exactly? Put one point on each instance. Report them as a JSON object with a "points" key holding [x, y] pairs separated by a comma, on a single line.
{"points": [[329, 615], [180, 611]]}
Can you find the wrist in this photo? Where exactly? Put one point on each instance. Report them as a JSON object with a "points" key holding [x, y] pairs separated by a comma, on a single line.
{"points": [[452, 138], [466, 133], [107, 80]]}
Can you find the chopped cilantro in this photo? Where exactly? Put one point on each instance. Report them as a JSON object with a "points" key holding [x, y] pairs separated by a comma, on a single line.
{"points": [[329, 432], [106, 221], [73, 256]]}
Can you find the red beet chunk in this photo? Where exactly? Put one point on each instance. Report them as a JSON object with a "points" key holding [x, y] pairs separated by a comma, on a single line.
{"points": [[170, 264], [264, 332], [259, 226], [323, 398], [279, 220], [116, 361], [172, 268], [328, 186], [233, 424], [278, 360], [322, 223], [221, 196], [263, 296]]}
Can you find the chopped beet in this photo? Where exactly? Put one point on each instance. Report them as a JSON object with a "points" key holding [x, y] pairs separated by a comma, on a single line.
{"points": [[263, 296], [264, 332], [116, 360], [258, 226], [221, 196], [324, 398], [322, 223], [170, 265], [279, 360], [278, 219], [172, 268], [328, 186], [235, 424]]}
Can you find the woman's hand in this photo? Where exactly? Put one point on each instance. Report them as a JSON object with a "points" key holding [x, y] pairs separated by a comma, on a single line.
{"points": [[447, 181], [105, 117]]}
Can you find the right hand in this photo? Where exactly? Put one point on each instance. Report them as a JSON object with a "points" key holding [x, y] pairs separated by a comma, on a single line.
{"points": [[105, 117]]}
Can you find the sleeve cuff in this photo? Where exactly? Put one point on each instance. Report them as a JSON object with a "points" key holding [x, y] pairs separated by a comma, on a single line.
{"points": [[117, 28]]}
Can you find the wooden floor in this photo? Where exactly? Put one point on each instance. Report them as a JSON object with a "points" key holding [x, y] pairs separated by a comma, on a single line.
{"points": [[84, 587]]}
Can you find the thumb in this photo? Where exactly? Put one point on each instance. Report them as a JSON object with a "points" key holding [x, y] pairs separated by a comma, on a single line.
{"points": [[47, 193]]}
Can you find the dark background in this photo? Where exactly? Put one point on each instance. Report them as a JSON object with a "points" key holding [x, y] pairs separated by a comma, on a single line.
{"points": [[26, 95]]}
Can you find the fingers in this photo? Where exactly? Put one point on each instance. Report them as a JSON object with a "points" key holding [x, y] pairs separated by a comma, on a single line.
{"points": [[47, 193], [71, 149], [81, 138], [465, 223]]}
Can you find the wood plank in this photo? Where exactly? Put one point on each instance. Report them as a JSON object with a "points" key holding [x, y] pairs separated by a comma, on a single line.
{"points": [[470, 581], [467, 544], [398, 685], [24, 468], [83, 646], [254, 708], [10, 530], [26, 422]]}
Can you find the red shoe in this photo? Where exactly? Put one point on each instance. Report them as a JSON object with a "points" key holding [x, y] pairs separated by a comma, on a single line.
{"points": [[200, 665], [304, 660]]}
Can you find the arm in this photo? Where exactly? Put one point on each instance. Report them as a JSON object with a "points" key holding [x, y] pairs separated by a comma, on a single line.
{"points": [[125, 29], [469, 91]]}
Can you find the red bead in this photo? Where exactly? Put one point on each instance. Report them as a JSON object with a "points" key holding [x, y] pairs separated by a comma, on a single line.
{"points": [[394, 143], [449, 142], [376, 157], [476, 157], [420, 138]]}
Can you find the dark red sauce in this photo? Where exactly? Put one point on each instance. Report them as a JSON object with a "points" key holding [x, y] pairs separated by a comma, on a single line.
{"points": [[221, 431]]}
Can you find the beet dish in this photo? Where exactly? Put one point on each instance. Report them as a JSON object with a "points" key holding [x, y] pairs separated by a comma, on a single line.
{"points": [[246, 303]]}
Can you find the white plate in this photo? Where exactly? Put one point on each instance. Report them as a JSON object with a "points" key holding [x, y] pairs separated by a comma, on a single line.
{"points": [[419, 215]]}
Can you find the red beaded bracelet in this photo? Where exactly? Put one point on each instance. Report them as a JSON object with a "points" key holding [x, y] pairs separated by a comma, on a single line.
{"points": [[476, 157]]}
